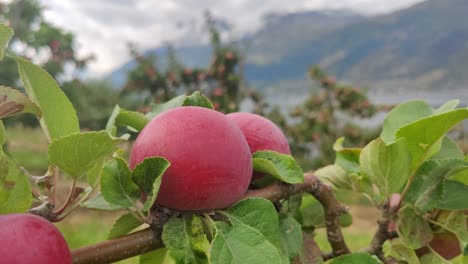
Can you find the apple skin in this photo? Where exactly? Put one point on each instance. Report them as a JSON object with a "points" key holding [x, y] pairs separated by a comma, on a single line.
{"points": [[261, 134], [445, 244], [211, 164], [27, 238]]}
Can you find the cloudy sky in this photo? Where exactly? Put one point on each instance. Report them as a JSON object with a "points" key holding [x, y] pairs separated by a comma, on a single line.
{"points": [[105, 27]]}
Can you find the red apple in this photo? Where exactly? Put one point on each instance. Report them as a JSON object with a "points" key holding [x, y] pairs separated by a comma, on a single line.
{"points": [[261, 134], [211, 164], [444, 243], [27, 238]]}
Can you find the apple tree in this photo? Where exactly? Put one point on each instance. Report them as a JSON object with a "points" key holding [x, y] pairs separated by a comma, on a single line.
{"points": [[190, 197]]}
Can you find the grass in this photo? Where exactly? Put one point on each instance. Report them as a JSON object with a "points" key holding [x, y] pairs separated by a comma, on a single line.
{"points": [[28, 147], [87, 227]]}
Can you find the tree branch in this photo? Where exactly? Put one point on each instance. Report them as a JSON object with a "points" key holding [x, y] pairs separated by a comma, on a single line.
{"points": [[150, 239], [333, 209], [382, 234], [118, 249]]}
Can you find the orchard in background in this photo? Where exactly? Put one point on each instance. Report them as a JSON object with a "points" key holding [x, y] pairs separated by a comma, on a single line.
{"points": [[413, 173]]}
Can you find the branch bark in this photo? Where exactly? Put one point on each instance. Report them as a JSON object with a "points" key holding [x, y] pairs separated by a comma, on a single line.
{"points": [[118, 249], [150, 239], [382, 234], [332, 209]]}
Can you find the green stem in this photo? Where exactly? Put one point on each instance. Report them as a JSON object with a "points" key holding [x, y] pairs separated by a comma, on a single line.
{"points": [[408, 184]]}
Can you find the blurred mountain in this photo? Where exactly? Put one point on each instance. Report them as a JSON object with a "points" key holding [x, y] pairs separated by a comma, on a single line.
{"points": [[423, 47], [282, 35], [279, 37]]}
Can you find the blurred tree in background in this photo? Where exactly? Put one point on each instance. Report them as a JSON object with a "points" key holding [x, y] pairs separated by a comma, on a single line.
{"points": [[55, 50], [94, 101], [37, 39], [221, 81], [324, 117]]}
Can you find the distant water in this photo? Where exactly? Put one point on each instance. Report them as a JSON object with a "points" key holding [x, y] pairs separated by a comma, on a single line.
{"points": [[434, 98], [287, 101]]}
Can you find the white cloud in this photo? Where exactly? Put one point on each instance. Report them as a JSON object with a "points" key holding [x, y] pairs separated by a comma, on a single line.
{"points": [[105, 27]]}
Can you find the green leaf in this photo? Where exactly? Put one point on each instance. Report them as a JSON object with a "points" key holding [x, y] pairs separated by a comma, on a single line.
{"points": [[94, 175], [259, 214], [256, 216], [281, 166], [241, 244], [117, 186], [355, 258], [412, 228], [173, 103], [448, 106], [99, 203], [388, 167], [336, 176], [340, 179], [454, 196], [14, 102], [347, 158], [185, 239], [403, 252], [402, 115], [159, 256], [148, 176], [459, 174], [145, 173], [449, 150], [124, 225], [292, 204], [196, 99], [313, 214], [5, 36], [78, 153], [426, 189], [154, 194], [58, 115], [454, 222], [433, 258], [122, 117], [424, 136], [15, 191], [291, 235], [2, 134]]}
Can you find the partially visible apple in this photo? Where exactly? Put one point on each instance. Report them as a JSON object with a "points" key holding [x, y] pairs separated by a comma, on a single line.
{"points": [[445, 243], [211, 164], [261, 134], [27, 238]]}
